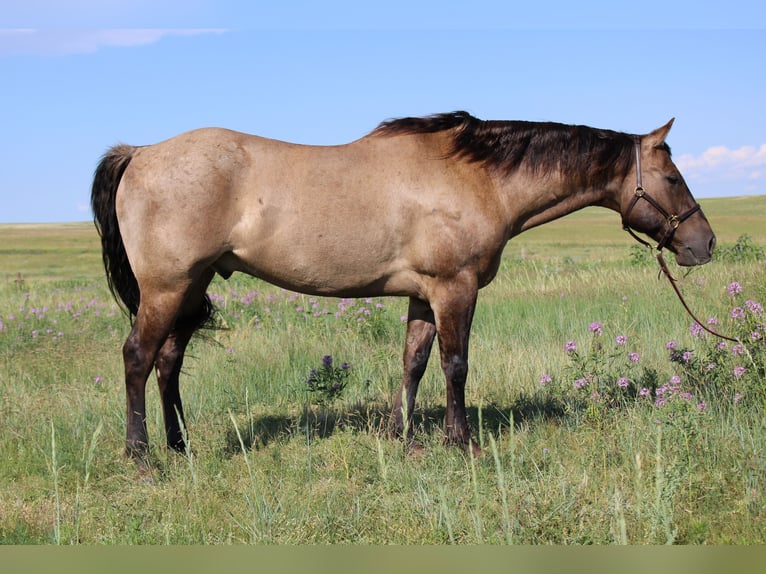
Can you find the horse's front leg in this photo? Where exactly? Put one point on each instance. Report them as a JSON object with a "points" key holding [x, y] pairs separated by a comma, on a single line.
{"points": [[421, 331], [454, 314]]}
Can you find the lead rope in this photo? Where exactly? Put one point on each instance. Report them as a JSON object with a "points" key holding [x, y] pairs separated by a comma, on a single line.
{"points": [[674, 222], [673, 282]]}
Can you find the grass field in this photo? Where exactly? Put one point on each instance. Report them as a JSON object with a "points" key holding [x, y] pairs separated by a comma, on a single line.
{"points": [[609, 442]]}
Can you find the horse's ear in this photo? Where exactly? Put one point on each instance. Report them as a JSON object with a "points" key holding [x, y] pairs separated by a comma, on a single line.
{"points": [[657, 137]]}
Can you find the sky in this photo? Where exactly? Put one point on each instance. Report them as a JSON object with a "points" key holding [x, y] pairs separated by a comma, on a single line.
{"points": [[77, 77]]}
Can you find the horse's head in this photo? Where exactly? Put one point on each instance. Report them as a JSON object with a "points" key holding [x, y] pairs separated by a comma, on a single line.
{"points": [[662, 206]]}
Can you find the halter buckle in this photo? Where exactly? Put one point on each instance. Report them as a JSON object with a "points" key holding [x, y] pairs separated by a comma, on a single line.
{"points": [[639, 192], [674, 222]]}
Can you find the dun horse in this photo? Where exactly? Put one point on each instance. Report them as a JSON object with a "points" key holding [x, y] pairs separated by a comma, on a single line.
{"points": [[420, 208]]}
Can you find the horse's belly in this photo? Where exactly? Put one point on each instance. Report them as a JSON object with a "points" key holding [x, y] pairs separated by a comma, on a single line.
{"points": [[317, 273]]}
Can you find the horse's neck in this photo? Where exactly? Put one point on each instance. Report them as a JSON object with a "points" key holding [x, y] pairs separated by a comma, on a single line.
{"points": [[531, 201]]}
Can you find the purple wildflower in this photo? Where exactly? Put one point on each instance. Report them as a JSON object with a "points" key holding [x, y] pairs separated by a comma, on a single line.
{"points": [[696, 329], [738, 350], [739, 371], [671, 345], [545, 379], [580, 383], [687, 356], [755, 308], [737, 398], [570, 346], [623, 382], [702, 406], [644, 392], [634, 357], [595, 328], [738, 313], [734, 288], [327, 361], [712, 321], [621, 339]]}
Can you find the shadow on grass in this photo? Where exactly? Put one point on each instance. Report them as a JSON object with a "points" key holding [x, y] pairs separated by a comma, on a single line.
{"points": [[319, 422]]}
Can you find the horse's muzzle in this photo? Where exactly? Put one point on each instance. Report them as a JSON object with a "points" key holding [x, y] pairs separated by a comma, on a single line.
{"points": [[691, 255]]}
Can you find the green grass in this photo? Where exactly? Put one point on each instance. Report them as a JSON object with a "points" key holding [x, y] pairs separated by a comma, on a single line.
{"points": [[270, 465]]}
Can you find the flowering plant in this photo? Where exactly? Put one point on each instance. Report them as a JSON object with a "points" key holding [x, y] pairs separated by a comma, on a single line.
{"points": [[607, 371], [731, 369], [328, 381]]}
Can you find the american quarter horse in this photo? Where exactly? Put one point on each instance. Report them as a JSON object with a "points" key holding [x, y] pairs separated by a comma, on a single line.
{"points": [[420, 208]]}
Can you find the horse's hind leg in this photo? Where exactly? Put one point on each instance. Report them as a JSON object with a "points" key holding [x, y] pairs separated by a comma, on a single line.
{"points": [[154, 321], [168, 365], [170, 360]]}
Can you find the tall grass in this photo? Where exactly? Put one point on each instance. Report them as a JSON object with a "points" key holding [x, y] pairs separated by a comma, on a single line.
{"points": [[271, 463]]}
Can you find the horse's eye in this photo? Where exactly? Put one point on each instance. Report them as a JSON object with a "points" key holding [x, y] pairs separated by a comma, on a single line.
{"points": [[673, 180]]}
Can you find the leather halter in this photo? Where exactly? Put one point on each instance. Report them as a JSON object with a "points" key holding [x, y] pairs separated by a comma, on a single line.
{"points": [[673, 221]]}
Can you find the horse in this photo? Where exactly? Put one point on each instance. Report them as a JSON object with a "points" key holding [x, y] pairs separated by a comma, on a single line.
{"points": [[420, 207]]}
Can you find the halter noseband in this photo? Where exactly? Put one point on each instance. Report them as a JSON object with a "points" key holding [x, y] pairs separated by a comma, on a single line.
{"points": [[673, 221]]}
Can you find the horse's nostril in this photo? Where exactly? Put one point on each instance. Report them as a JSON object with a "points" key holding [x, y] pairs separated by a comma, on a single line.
{"points": [[711, 245]]}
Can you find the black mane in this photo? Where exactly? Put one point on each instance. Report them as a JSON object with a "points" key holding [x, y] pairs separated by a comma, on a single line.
{"points": [[585, 155]]}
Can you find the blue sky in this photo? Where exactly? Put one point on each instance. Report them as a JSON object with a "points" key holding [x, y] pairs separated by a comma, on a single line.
{"points": [[79, 78]]}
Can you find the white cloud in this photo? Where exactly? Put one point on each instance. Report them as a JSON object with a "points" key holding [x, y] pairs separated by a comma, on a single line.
{"points": [[720, 163], [61, 42]]}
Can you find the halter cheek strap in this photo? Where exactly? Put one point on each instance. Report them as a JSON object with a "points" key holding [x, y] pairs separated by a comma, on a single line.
{"points": [[672, 220]]}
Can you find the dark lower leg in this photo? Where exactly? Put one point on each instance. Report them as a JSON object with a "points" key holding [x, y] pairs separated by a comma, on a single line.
{"points": [[456, 419], [456, 430], [454, 324], [419, 340], [168, 364], [153, 324], [137, 367]]}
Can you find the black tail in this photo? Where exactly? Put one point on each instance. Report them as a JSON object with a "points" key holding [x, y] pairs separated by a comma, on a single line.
{"points": [[119, 275]]}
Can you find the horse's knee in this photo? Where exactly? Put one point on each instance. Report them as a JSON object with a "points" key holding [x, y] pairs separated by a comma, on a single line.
{"points": [[456, 369]]}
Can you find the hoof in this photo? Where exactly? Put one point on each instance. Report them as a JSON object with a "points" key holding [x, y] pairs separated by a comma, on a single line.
{"points": [[469, 445], [145, 478], [144, 470], [415, 449], [180, 448], [473, 449]]}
